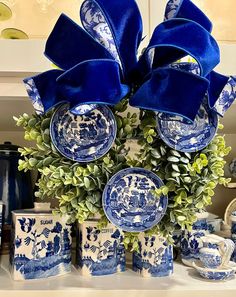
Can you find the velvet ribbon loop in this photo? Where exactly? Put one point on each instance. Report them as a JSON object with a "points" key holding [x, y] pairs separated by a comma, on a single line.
{"points": [[187, 9], [86, 83], [172, 40], [157, 93], [68, 45], [42, 90], [99, 64], [123, 20]]}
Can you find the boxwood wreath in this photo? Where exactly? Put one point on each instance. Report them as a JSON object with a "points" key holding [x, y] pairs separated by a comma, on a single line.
{"points": [[190, 179]]}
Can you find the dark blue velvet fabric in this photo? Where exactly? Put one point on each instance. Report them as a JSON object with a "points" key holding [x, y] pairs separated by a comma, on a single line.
{"points": [[93, 76], [189, 10], [217, 84], [172, 40], [46, 86], [172, 91], [69, 44], [78, 83], [125, 22]]}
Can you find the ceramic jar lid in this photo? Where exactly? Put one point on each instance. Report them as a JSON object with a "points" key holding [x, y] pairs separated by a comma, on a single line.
{"points": [[7, 148]]}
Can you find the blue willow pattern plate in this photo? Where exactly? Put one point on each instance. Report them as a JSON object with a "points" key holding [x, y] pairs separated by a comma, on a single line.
{"points": [[83, 138], [128, 200], [184, 136]]}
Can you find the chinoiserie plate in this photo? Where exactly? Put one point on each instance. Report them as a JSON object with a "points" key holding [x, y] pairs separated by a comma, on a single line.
{"points": [[83, 138], [184, 136], [129, 202], [219, 274], [229, 209]]}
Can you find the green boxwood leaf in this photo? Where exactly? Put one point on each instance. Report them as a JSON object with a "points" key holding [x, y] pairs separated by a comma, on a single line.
{"points": [[173, 159], [87, 182]]}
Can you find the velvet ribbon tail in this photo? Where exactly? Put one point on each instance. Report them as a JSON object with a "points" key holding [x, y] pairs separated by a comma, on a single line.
{"points": [[42, 90], [119, 28], [222, 92], [68, 45], [92, 82], [172, 91], [172, 40]]}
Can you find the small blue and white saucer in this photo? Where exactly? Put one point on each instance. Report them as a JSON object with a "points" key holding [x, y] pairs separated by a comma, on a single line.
{"points": [[83, 138], [129, 202], [184, 136], [220, 274]]}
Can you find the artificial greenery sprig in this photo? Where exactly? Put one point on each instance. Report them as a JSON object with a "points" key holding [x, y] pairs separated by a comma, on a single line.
{"points": [[190, 179]]}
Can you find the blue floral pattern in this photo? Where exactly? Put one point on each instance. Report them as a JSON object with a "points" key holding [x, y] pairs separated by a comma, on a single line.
{"points": [[191, 242], [226, 97], [233, 230], [215, 274], [100, 252], [83, 138], [154, 257], [172, 9], [95, 23], [183, 136], [187, 66], [210, 260], [41, 247], [179, 133], [34, 96], [128, 200]]}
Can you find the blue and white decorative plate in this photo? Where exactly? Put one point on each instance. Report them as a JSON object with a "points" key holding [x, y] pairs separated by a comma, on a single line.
{"points": [[184, 136], [221, 274], [128, 200], [83, 138]]}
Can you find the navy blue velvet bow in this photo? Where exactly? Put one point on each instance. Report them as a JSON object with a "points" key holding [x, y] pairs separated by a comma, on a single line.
{"points": [[99, 65]]}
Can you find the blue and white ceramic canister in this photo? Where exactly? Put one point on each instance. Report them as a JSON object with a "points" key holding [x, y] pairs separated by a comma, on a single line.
{"points": [[191, 240], [100, 251], [41, 244], [154, 257]]}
